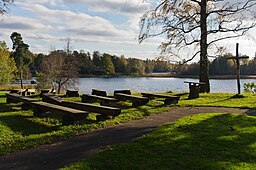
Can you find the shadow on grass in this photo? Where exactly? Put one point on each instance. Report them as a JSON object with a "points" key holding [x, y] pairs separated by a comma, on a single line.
{"points": [[215, 142], [6, 108], [22, 124]]}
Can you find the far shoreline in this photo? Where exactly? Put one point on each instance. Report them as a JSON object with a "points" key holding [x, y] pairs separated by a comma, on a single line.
{"points": [[172, 76]]}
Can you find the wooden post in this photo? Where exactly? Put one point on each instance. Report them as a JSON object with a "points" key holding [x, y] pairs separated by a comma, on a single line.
{"points": [[238, 69], [237, 58]]}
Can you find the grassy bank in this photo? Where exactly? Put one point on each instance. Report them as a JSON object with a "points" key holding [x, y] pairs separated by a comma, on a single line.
{"points": [[19, 129], [207, 141]]}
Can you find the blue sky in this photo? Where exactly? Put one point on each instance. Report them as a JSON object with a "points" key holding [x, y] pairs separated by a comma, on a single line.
{"points": [[110, 26]]}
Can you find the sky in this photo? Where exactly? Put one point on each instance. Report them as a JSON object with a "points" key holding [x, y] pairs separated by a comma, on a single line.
{"points": [[107, 26]]}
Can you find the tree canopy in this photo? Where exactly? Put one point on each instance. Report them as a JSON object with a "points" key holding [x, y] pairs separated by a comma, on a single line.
{"points": [[7, 66], [60, 70]]}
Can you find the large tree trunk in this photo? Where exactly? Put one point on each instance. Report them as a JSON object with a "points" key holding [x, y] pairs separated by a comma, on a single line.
{"points": [[204, 68]]}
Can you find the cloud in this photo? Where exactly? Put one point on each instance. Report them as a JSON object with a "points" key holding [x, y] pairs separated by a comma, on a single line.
{"points": [[23, 23], [126, 7], [44, 23], [73, 22]]}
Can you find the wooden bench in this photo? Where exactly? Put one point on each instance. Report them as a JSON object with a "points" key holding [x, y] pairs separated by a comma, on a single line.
{"points": [[123, 92], [136, 100], [16, 98], [69, 115], [168, 99], [103, 110], [99, 92], [47, 91], [16, 91], [28, 92], [72, 93], [87, 98]]}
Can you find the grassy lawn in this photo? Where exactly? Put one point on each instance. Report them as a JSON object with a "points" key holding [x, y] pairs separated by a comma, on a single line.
{"points": [[19, 129], [205, 141]]}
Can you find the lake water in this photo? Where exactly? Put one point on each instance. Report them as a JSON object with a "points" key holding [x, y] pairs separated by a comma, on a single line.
{"points": [[150, 84]]}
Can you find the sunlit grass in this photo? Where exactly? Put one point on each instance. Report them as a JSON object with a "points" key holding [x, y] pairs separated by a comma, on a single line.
{"points": [[205, 141]]}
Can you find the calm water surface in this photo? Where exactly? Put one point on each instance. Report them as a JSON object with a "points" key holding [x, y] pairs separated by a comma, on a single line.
{"points": [[150, 84]]}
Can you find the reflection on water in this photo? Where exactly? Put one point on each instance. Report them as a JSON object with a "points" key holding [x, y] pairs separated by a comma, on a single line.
{"points": [[151, 84]]}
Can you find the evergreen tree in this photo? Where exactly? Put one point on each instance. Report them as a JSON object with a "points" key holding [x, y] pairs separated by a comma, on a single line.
{"points": [[21, 54]]}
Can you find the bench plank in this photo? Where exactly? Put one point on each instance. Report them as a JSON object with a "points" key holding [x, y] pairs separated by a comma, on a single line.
{"points": [[111, 111], [99, 92], [122, 91], [136, 100], [16, 98], [168, 99], [87, 98], [72, 93]]}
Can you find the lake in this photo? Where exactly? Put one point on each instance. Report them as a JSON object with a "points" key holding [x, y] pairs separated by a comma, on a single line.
{"points": [[151, 84]]}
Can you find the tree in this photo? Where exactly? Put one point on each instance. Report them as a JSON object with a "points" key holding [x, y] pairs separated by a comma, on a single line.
{"points": [[149, 66], [21, 54], [135, 66], [199, 25], [108, 65], [96, 58], [4, 6], [60, 70], [120, 65], [87, 66], [7, 66]]}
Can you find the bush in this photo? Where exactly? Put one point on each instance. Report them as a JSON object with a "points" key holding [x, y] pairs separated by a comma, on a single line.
{"points": [[250, 87]]}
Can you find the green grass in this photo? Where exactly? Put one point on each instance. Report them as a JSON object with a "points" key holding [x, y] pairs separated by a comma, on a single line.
{"points": [[220, 100], [19, 129], [205, 141]]}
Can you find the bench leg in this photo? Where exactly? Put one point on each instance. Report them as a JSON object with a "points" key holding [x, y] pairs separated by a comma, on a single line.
{"points": [[71, 120], [40, 113], [8, 100], [88, 100], [101, 117], [138, 103], [68, 120], [170, 101], [25, 106]]}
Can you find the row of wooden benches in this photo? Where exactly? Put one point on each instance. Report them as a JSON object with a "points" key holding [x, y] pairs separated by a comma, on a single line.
{"points": [[70, 111], [123, 95], [74, 111]]}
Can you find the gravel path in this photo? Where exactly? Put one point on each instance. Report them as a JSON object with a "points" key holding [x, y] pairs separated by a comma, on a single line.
{"points": [[59, 154]]}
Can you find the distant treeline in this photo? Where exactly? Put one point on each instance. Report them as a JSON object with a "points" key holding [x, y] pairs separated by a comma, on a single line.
{"points": [[222, 66], [111, 65]]}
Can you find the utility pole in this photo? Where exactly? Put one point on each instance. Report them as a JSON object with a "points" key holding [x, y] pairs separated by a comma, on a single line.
{"points": [[237, 59]]}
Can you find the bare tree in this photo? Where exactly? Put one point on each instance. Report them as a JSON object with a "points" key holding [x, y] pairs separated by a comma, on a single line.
{"points": [[4, 6], [197, 25], [61, 70]]}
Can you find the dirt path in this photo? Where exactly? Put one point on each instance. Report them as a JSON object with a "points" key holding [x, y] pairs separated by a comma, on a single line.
{"points": [[57, 155]]}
